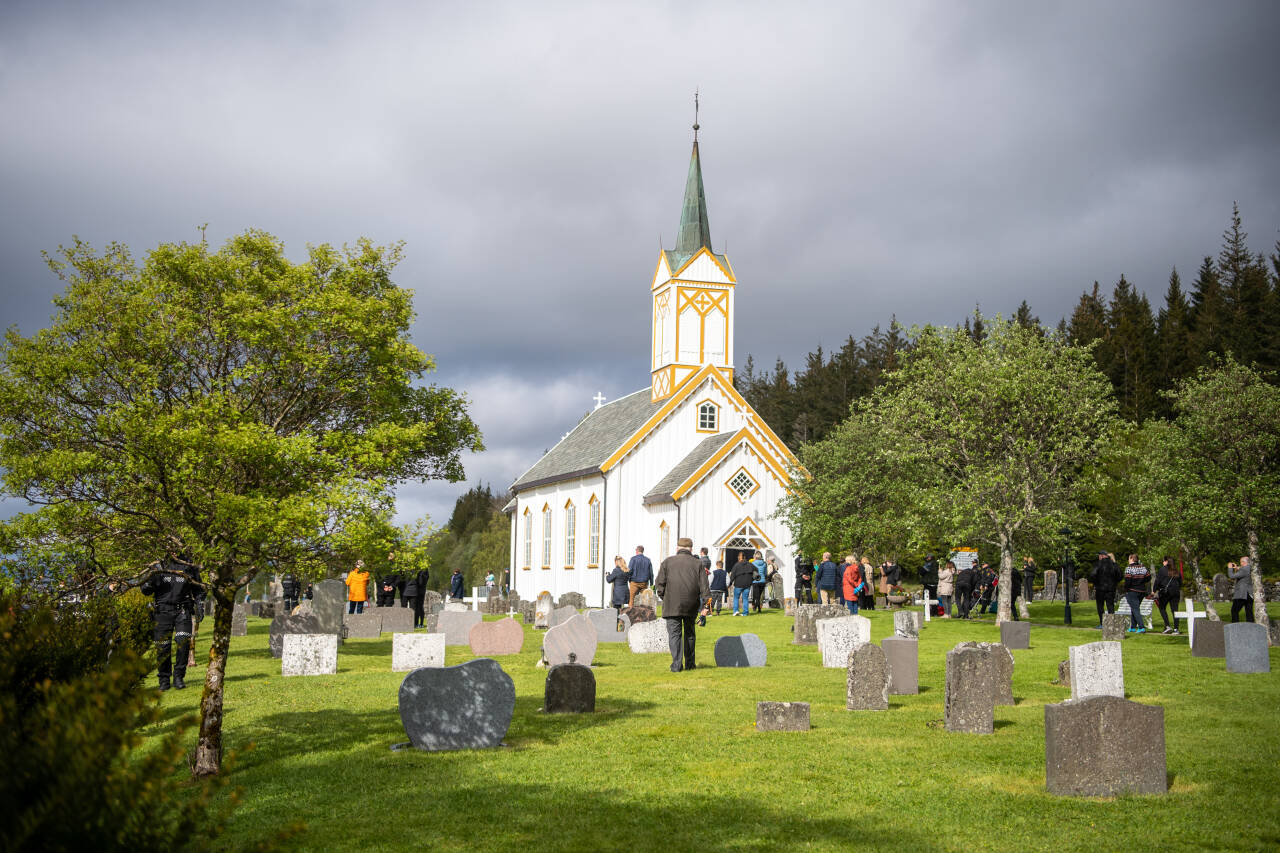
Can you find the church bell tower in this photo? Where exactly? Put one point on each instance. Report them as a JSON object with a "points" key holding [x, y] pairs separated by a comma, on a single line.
{"points": [[692, 296]]}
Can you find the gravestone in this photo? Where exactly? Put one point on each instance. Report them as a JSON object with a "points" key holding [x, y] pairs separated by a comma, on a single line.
{"points": [[1082, 590], [542, 610], [254, 607], [309, 654], [328, 603], [782, 716], [570, 689], [1064, 672], [788, 606], [648, 638], [867, 682], [267, 610], [364, 626], [969, 704], [430, 599], [527, 613], [304, 608], [1245, 647], [572, 639], [1050, 584], [742, 650], [903, 657], [468, 706], [904, 624], [838, 636], [1104, 746], [1222, 587], [239, 620], [639, 613], [303, 623], [396, 620], [1015, 635], [576, 600], [490, 639], [452, 606], [807, 615], [1096, 669], [561, 615], [456, 627], [415, 651], [610, 627], [1275, 632], [1113, 626], [646, 598], [1209, 641], [1001, 662]]}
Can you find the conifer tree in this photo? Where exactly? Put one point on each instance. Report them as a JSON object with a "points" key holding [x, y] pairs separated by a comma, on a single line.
{"points": [[1133, 351]]}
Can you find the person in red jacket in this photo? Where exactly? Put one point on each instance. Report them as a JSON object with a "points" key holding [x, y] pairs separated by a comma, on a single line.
{"points": [[854, 584]]}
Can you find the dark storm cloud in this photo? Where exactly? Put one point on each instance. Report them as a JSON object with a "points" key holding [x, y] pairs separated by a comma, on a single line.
{"points": [[860, 161]]}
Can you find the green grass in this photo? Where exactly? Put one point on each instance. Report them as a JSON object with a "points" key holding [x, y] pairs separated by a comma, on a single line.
{"points": [[672, 762]]}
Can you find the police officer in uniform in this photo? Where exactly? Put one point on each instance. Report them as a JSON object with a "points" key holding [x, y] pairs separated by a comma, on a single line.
{"points": [[290, 589], [175, 583]]}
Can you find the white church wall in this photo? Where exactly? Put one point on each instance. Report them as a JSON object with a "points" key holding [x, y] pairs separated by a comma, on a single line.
{"points": [[704, 269], [559, 577]]}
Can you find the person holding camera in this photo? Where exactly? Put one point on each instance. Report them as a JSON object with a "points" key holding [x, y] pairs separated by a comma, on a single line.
{"points": [[1242, 594]]}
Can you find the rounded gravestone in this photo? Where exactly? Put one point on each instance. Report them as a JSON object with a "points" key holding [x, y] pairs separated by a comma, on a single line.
{"points": [[743, 650], [503, 637], [570, 689], [468, 706], [573, 639]]}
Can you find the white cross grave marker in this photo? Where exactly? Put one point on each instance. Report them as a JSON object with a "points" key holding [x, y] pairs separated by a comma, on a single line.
{"points": [[1191, 615], [928, 603]]}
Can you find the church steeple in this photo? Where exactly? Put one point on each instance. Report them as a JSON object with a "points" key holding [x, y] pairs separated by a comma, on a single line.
{"points": [[695, 228]]}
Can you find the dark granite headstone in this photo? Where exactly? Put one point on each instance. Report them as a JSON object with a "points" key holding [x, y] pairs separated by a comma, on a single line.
{"points": [[1001, 661], [396, 620], [807, 616], [782, 716], [743, 650], [969, 704], [1245, 647], [576, 600], [1114, 626], [867, 681], [239, 620], [468, 706], [527, 613], [638, 613], [903, 656], [570, 689], [328, 603], [303, 623], [1015, 635], [1222, 587], [1103, 746], [254, 607], [1209, 640]]}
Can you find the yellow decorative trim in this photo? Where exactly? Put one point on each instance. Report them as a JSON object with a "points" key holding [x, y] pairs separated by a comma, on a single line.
{"points": [[728, 273], [719, 456], [738, 525]]}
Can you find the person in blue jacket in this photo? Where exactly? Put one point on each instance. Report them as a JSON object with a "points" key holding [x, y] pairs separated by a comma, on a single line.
{"points": [[825, 578], [620, 577], [455, 585]]}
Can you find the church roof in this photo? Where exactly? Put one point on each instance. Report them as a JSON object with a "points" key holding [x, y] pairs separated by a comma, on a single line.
{"points": [[592, 441], [705, 449]]}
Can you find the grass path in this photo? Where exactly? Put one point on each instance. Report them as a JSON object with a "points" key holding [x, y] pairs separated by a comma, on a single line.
{"points": [[672, 762]]}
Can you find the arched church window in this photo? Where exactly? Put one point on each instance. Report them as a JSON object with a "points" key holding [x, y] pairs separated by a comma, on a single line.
{"points": [[593, 544], [708, 417], [546, 537], [528, 538], [570, 535]]}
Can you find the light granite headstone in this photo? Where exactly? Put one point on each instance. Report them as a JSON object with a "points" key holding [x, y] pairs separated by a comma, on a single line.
{"points": [[570, 689], [969, 704], [867, 681], [1096, 669], [430, 599], [491, 639], [396, 620], [309, 654], [1050, 584], [903, 657], [1245, 647], [1015, 635], [610, 627], [1113, 626], [838, 636], [300, 624], [456, 627], [648, 638], [1210, 640], [782, 716], [328, 603], [742, 650], [542, 610], [561, 615], [576, 600], [904, 624], [364, 626], [1001, 662], [1104, 746], [575, 637], [457, 607], [468, 706], [239, 620], [807, 615], [415, 651]]}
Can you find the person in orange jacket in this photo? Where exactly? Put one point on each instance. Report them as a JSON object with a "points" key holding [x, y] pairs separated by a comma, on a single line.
{"points": [[854, 584], [357, 588]]}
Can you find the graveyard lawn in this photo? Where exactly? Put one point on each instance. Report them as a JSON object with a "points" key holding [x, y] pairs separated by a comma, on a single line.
{"points": [[674, 762]]}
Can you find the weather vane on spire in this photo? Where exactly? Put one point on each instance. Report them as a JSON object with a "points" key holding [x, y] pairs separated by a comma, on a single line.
{"points": [[695, 115]]}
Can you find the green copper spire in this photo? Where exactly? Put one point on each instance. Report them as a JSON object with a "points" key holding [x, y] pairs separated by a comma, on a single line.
{"points": [[695, 229]]}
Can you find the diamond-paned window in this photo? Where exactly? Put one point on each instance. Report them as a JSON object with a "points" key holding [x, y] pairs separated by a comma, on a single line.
{"points": [[742, 484]]}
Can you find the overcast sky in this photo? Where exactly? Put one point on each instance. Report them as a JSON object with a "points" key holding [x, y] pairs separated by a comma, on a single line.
{"points": [[861, 160]]}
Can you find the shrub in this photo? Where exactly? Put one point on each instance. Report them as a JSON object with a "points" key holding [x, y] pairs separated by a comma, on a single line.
{"points": [[135, 626]]}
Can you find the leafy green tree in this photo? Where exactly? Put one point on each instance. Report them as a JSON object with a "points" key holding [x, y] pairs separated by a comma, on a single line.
{"points": [[231, 406], [968, 441]]}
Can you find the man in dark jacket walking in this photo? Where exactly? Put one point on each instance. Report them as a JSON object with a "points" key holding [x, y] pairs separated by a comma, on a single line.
{"points": [[1029, 569], [641, 573], [682, 586], [414, 591], [929, 577], [804, 580], [719, 586], [740, 576], [1105, 576], [176, 586], [966, 581], [827, 576], [455, 585]]}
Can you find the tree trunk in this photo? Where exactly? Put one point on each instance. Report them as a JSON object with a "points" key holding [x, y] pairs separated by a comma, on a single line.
{"points": [[1203, 593], [1004, 590], [208, 761], [1259, 593]]}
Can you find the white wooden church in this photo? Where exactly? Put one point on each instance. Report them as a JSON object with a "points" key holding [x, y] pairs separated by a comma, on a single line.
{"points": [[686, 456]]}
